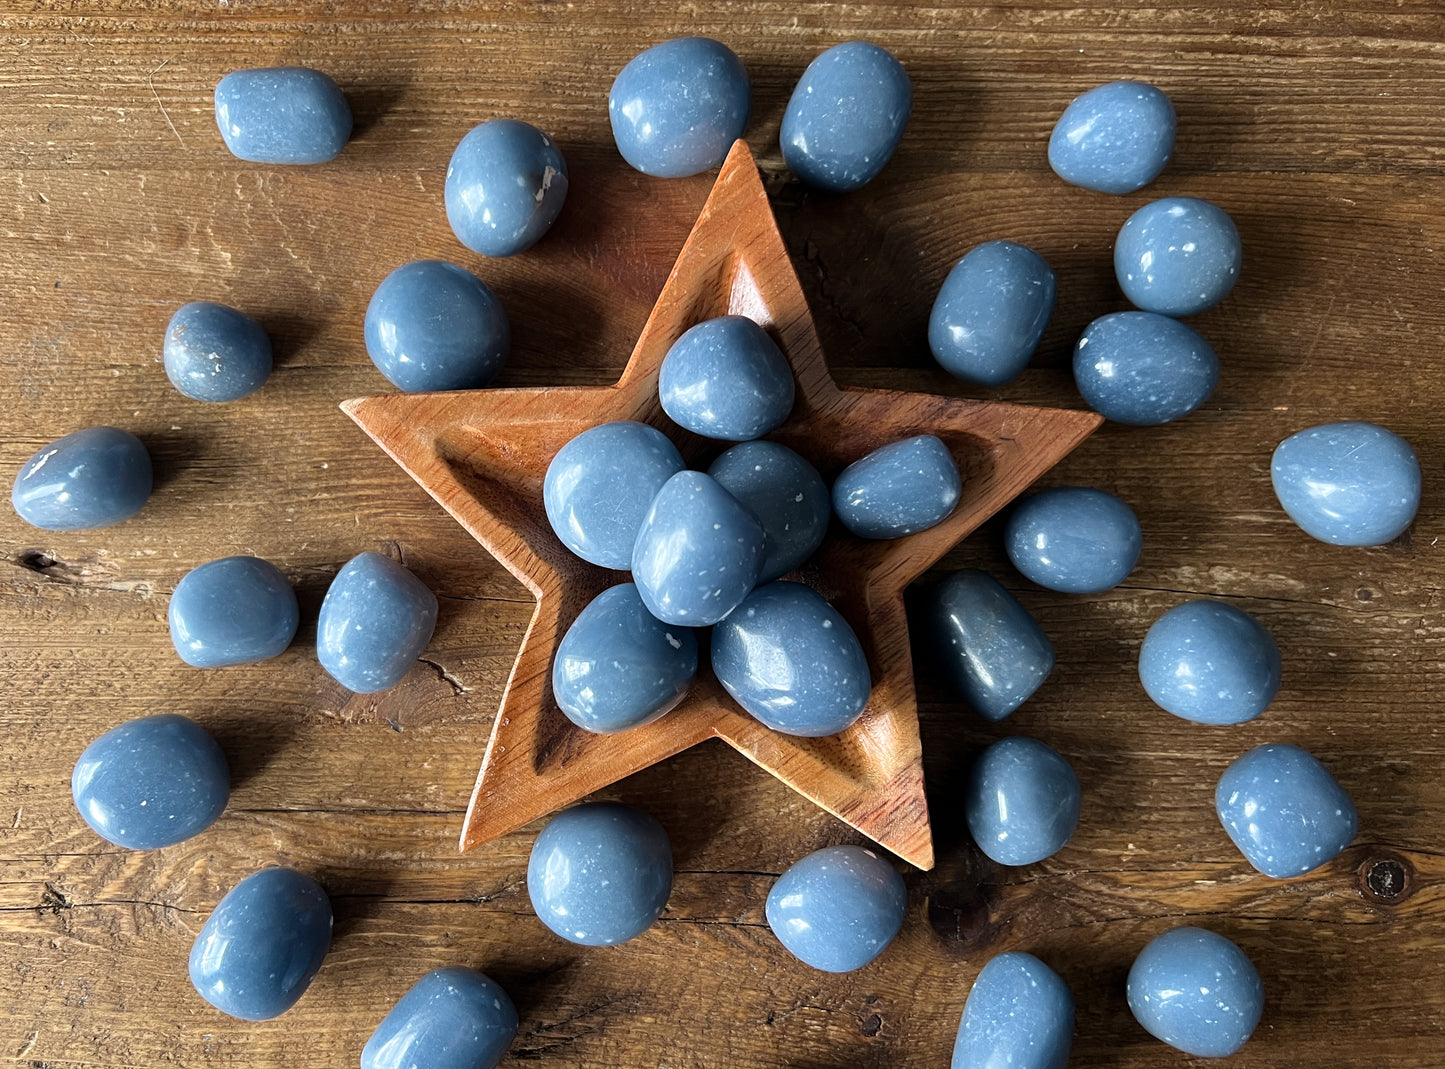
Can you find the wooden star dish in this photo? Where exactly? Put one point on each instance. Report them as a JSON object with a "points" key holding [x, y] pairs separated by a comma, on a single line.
{"points": [[483, 455]]}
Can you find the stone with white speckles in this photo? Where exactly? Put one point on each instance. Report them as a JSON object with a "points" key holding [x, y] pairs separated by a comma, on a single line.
{"points": [[1074, 539], [215, 353], [1209, 662], [786, 494], [282, 115], [452, 1018], [1177, 256], [1019, 1015], [1196, 991], [726, 378], [1349, 484], [375, 621], [838, 908], [1115, 138], [505, 187], [991, 312], [1021, 801], [432, 325], [236, 610], [899, 489], [1144, 369]]}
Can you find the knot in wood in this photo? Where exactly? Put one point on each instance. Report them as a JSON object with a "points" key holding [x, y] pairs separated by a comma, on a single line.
{"points": [[1386, 878]]}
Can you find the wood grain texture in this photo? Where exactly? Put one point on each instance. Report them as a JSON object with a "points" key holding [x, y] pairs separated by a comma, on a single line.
{"points": [[1318, 126]]}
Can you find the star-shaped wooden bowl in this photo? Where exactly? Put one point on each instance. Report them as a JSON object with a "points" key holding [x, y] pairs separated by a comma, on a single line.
{"points": [[483, 455]]}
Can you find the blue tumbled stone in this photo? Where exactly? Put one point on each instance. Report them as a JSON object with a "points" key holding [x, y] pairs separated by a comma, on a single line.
{"points": [[215, 353], [1196, 991], [504, 188], [899, 489], [600, 873], [1211, 663], [1021, 802], [846, 116], [785, 493], [236, 610], [1349, 484], [1115, 138], [1144, 369], [282, 115], [1074, 539], [677, 108], [90, 478], [1177, 256], [1019, 1015], [375, 621], [452, 1018], [838, 908], [991, 312], [1284, 810], [151, 782], [725, 378], [791, 660]]}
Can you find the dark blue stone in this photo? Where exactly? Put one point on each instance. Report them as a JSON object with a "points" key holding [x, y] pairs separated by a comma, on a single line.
{"points": [[1284, 810], [1019, 1015], [677, 108], [282, 115], [1177, 256], [452, 1018], [1115, 138], [505, 187], [600, 873], [91, 478], [1211, 663], [375, 622], [1196, 991], [846, 116], [1349, 484], [900, 489], [215, 353], [260, 949], [837, 909], [1144, 369], [435, 326], [1022, 801], [600, 484], [1074, 539], [791, 660], [785, 493], [991, 312], [151, 782], [725, 378], [236, 610]]}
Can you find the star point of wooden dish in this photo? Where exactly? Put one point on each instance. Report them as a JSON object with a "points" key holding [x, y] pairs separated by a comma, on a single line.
{"points": [[482, 455]]}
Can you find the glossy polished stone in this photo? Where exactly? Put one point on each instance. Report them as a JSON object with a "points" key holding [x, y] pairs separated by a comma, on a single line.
{"points": [[1196, 991], [452, 1018], [838, 908], [91, 478], [505, 187], [1177, 256], [375, 622], [619, 667], [599, 486], [678, 107], [1019, 1015], [282, 115], [435, 326], [846, 117], [215, 353], [1349, 484], [1074, 539], [236, 610], [991, 312], [1144, 369], [1115, 138], [698, 552], [263, 945], [1211, 663], [151, 782], [600, 873], [791, 660], [785, 493], [1022, 801], [1284, 810], [899, 489], [726, 378]]}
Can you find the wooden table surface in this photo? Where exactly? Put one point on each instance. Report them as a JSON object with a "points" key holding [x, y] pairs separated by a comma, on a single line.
{"points": [[1319, 126]]}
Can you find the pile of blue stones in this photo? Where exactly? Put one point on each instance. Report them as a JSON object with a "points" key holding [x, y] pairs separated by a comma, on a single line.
{"points": [[710, 549]]}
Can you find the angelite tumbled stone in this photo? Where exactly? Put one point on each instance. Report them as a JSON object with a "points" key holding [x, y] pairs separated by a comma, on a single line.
{"points": [[1349, 484], [151, 782], [600, 873], [263, 945], [435, 326], [375, 622], [619, 667], [1210, 662], [1177, 256], [785, 493], [677, 108], [846, 117], [1019, 1015], [505, 187], [236, 610], [282, 115], [600, 484], [1284, 810], [991, 312], [791, 660], [1196, 991], [1022, 801], [1115, 138], [91, 478], [1074, 539], [899, 489], [1144, 369], [215, 353], [838, 908], [452, 1018], [726, 378]]}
